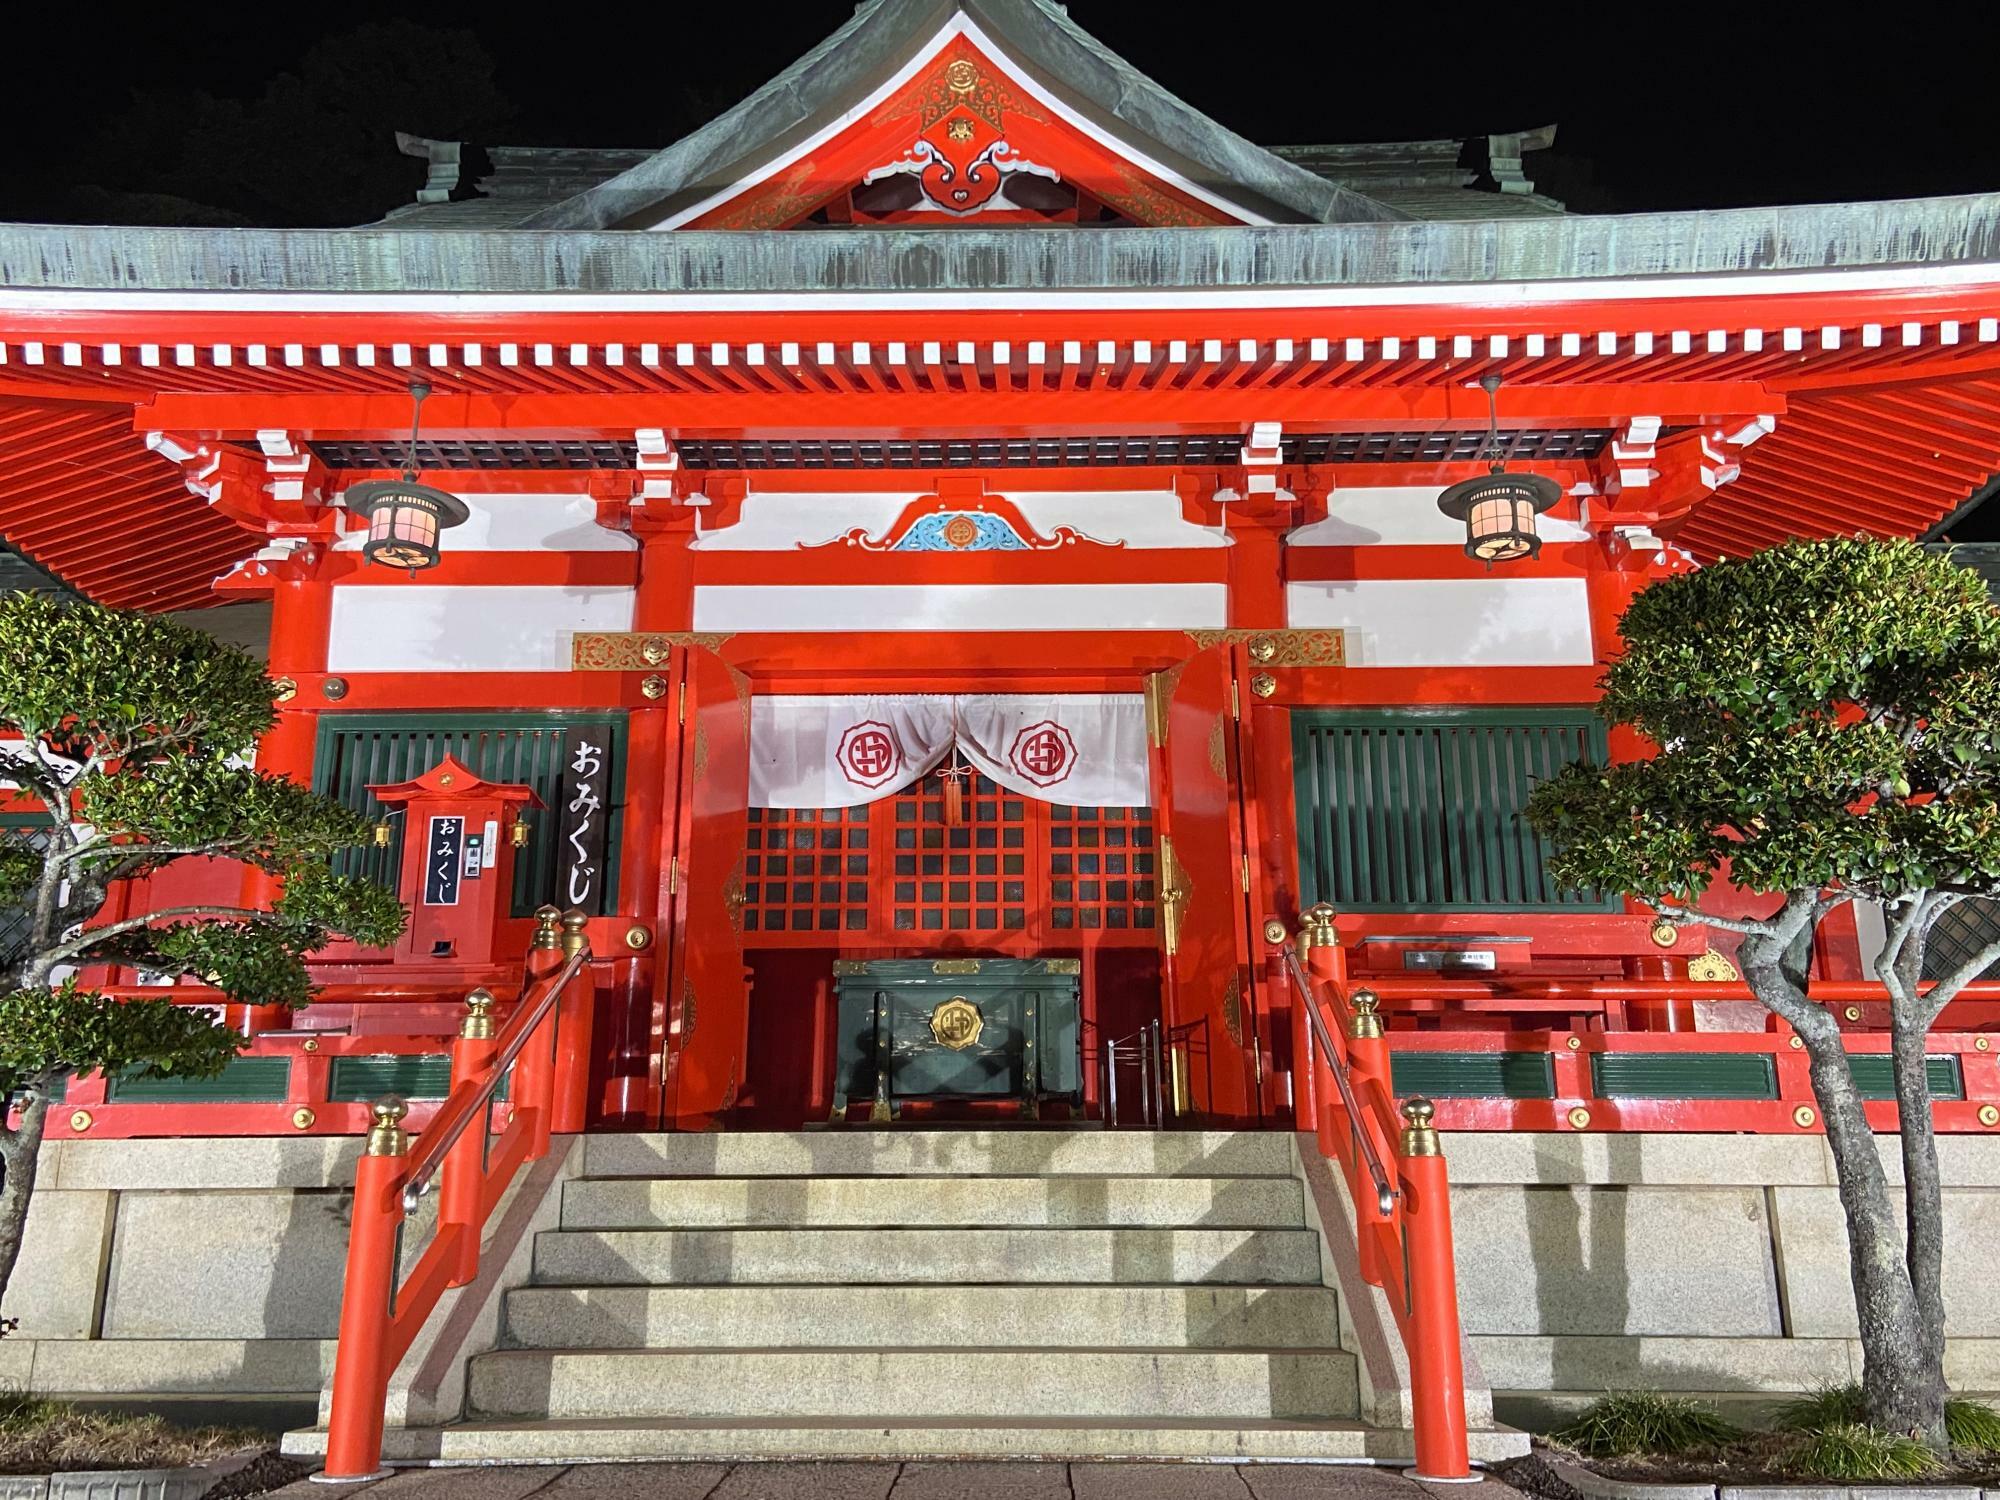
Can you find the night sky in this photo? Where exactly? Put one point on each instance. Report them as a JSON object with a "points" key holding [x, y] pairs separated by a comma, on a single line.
{"points": [[1660, 107]]}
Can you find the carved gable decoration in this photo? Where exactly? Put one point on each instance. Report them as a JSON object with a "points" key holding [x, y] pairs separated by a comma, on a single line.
{"points": [[960, 523], [962, 138]]}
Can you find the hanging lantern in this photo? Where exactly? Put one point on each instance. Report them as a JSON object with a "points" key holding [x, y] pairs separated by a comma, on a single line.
{"points": [[1499, 508], [1499, 511], [406, 518]]}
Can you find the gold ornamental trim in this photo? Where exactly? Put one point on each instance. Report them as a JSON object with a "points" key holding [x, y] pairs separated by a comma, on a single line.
{"points": [[1062, 966], [1281, 648], [956, 1023], [634, 650], [1233, 1007], [1712, 968], [955, 966], [847, 967]]}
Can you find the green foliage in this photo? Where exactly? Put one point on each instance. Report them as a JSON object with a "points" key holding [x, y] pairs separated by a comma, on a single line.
{"points": [[1825, 1406], [158, 716], [48, 1033], [20, 867], [1972, 1425], [1828, 716], [200, 799], [1852, 1454], [1627, 1422], [120, 682], [321, 902]]}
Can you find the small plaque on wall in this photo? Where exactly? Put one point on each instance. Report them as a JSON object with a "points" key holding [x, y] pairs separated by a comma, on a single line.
{"points": [[444, 860], [582, 819]]}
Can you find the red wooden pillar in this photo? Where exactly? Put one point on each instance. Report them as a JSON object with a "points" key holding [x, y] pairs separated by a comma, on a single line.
{"points": [[627, 1017]]}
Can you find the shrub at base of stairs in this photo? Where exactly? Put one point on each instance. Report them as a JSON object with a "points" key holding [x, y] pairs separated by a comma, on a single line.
{"points": [[1646, 1436], [39, 1437]]}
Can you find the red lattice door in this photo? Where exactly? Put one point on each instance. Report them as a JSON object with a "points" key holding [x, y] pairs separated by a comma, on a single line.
{"points": [[1210, 997], [708, 988]]}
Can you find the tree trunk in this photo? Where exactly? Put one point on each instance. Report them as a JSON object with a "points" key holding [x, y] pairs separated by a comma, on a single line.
{"points": [[1902, 1376], [1923, 1197], [1902, 1379], [20, 1151]]}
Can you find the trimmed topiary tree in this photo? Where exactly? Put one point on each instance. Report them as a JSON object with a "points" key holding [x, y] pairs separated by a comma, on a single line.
{"points": [[1827, 717], [128, 732]]}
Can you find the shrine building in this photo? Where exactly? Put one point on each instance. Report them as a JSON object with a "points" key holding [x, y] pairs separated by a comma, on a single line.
{"points": [[997, 608]]}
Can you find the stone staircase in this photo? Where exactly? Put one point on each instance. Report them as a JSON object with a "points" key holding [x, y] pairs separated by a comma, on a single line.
{"points": [[921, 1293]]}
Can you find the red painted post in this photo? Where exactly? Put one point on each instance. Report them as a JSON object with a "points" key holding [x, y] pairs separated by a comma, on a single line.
{"points": [[1368, 1075], [1319, 943], [1437, 1368], [571, 1021], [360, 1369], [462, 1187]]}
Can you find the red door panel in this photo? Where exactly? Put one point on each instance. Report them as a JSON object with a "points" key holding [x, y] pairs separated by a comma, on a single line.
{"points": [[708, 987], [1209, 997]]}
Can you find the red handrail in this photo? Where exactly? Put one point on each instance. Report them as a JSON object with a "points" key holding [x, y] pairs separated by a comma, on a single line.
{"points": [[1402, 1220], [380, 1315]]}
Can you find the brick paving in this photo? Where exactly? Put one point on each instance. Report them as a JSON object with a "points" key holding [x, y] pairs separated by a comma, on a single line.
{"points": [[860, 1480]]}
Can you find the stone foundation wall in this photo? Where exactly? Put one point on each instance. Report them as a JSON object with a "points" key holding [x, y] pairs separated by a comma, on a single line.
{"points": [[199, 1267], [1707, 1263], [1586, 1262]]}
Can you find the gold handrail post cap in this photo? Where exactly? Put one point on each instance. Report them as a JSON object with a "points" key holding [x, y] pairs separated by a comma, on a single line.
{"points": [[1319, 931], [1420, 1137], [548, 927], [386, 1136], [573, 923], [478, 1023], [1367, 1021]]}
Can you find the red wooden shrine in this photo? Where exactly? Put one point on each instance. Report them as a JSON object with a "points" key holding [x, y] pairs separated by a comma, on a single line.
{"points": [[971, 380]]}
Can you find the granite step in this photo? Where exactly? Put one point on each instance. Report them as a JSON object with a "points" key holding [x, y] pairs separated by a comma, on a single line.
{"points": [[882, 1202], [902, 1152], [943, 1384], [926, 1316], [718, 1257], [895, 1438]]}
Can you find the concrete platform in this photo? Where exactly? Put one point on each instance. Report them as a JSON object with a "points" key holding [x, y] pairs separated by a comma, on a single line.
{"points": [[906, 1439], [990, 1200], [902, 1256], [1000, 1384], [888, 1317]]}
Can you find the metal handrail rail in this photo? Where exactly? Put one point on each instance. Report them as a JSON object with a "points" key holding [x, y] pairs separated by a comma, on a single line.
{"points": [[435, 1143], [1385, 1192]]}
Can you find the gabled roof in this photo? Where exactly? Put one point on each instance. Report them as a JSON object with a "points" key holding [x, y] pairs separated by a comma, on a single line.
{"points": [[884, 48]]}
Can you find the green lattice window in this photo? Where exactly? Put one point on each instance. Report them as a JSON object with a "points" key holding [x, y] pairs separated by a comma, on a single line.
{"points": [[33, 830], [1959, 935], [357, 751], [1422, 811]]}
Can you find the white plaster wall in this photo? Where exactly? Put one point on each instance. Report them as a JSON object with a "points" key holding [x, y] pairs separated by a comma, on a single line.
{"points": [[435, 628], [1451, 622], [1401, 515], [832, 607], [522, 523]]}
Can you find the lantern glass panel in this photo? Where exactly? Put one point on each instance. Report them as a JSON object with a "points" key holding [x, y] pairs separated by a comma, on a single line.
{"points": [[1501, 528]]}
